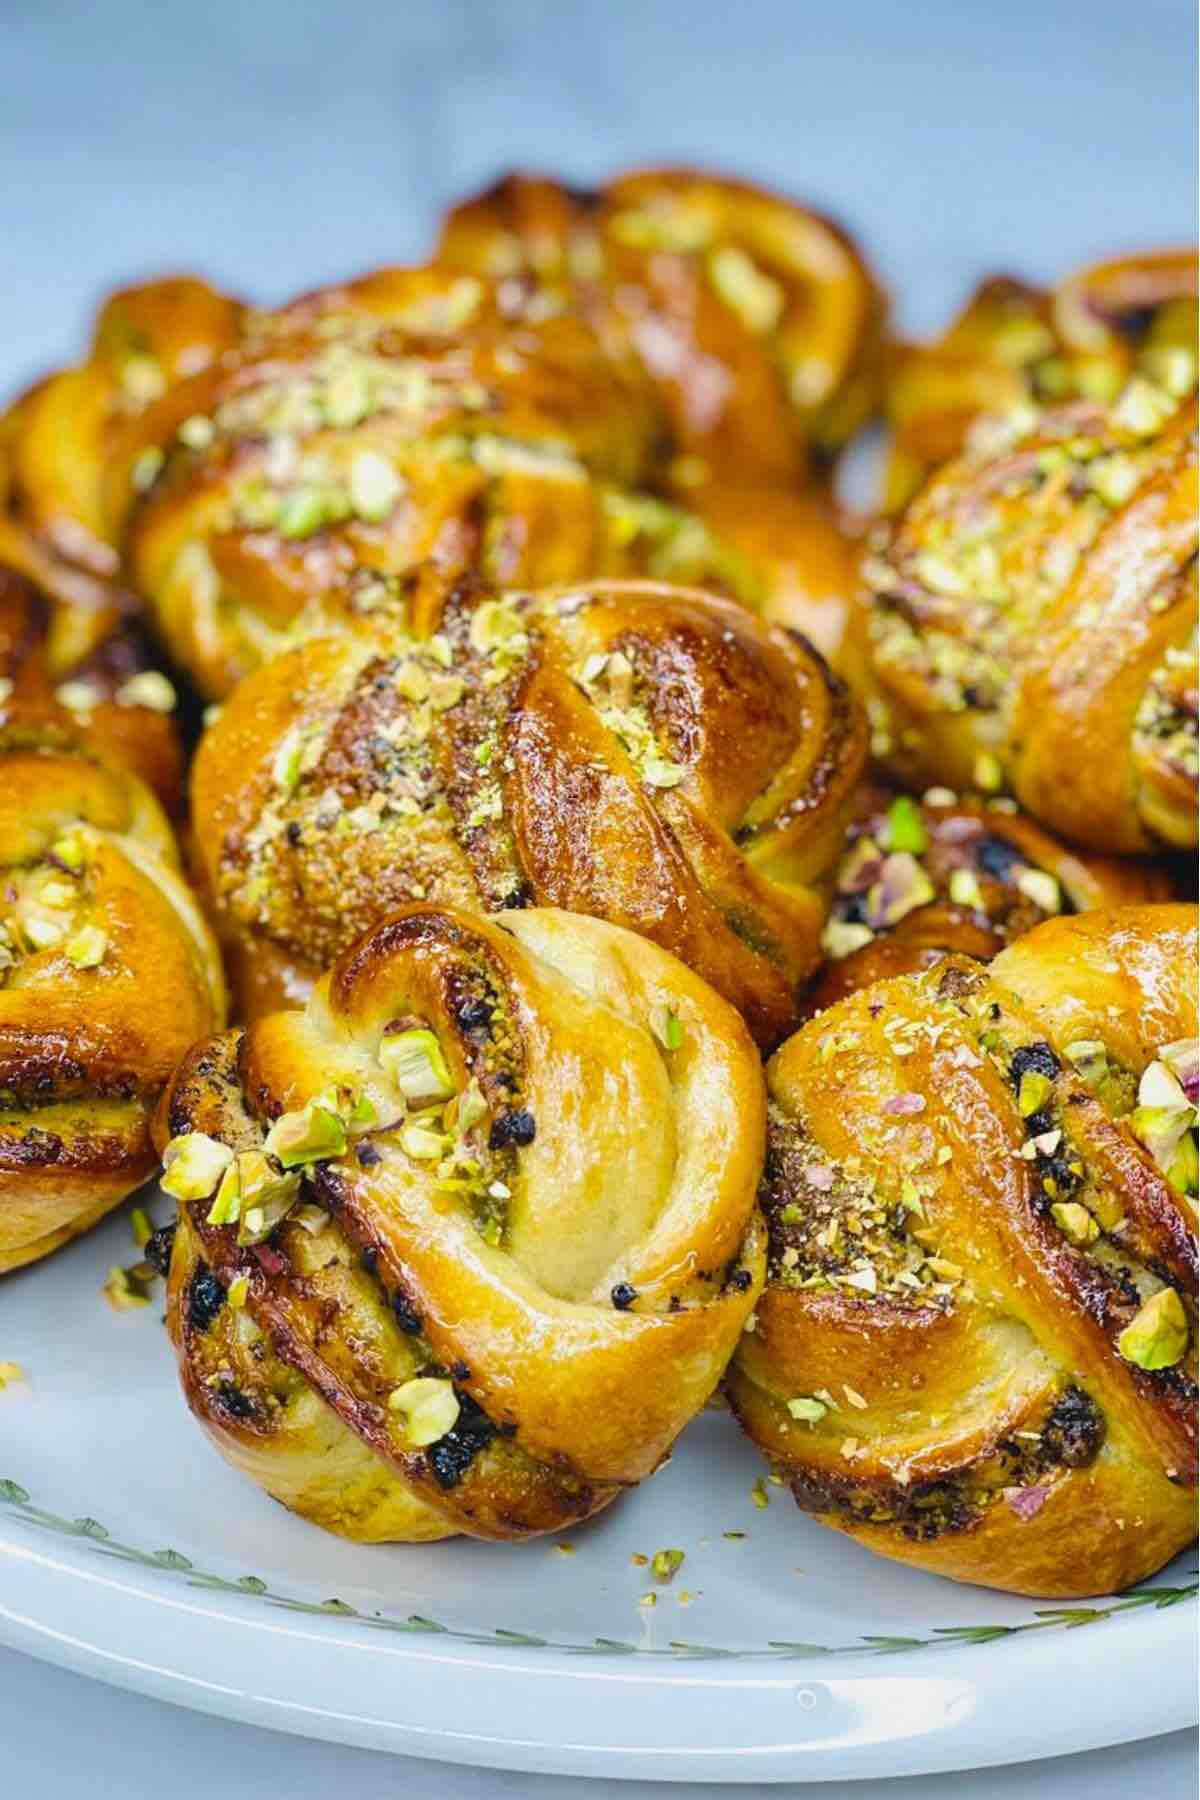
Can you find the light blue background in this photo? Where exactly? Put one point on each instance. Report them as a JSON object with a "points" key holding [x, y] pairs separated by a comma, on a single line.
{"points": [[279, 142], [275, 144]]}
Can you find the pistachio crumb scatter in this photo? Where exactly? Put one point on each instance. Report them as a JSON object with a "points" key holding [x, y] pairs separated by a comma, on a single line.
{"points": [[665, 1563], [124, 1290]]}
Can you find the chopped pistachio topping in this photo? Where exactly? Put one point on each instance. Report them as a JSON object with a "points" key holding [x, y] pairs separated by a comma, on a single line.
{"points": [[1090, 1059], [905, 826], [657, 772], [664, 1563], [124, 1291], [193, 1164], [757, 300], [1075, 1222], [1183, 1171], [43, 934], [965, 889], [86, 947], [70, 850], [666, 1027], [141, 1225], [236, 1292], [902, 887], [841, 937], [1160, 1087], [10, 1372], [311, 1134], [424, 1145], [374, 485], [1157, 1336], [197, 432], [145, 470], [415, 1062], [472, 1107], [807, 1409], [1183, 1059], [1042, 888], [306, 510], [1033, 1093], [151, 689], [988, 773], [255, 1195], [428, 1408]]}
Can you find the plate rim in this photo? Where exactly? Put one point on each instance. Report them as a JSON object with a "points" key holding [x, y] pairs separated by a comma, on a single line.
{"points": [[837, 1714]]}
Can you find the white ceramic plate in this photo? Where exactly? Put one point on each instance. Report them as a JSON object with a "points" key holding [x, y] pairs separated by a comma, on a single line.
{"points": [[130, 1552]]}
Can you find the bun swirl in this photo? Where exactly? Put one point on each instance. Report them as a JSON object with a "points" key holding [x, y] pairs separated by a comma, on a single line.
{"points": [[1027, 620], [496, 1302], [107, 970], [976, 1349], [648, 755]]}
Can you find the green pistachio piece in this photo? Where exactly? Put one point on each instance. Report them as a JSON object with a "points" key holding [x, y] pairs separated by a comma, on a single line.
{"points": [[1158, 1335], [422, 1144], [1184, 1171], [842, 936], [1033, 1093], [1042, 888], [1160, 1087], [965, 889], [664, 1563], [193, 1165], [757, 300], [1075, 1222], [415, 1061], [375, 486], [666, 1027], [905, 826], [807, 1410], [428, 1409], [311, 1134], [988, 774], [86, 947], [1090, 1059]]}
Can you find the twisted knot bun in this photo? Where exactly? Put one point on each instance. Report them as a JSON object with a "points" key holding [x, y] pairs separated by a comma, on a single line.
{"points": [[107, 970], [59, 440], [757, 321], [371, 426], [85, 681], [647, 755], [976, 1349], [922, 877], [524, 1245], [1028, 618], [1014, 344]]}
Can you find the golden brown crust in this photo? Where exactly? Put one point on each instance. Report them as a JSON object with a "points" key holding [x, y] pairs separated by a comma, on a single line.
{"points": [[757, 321], [1026, 623], [79, 680], [373, 425], [920, 878], [107, 971], [649, 755], [1013, 344], [961, 1228], [802, 550], [581, 1318], [61, 436]]}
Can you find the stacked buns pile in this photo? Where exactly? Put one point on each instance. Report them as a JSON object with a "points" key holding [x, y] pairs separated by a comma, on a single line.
{"points": [[560, 751]]}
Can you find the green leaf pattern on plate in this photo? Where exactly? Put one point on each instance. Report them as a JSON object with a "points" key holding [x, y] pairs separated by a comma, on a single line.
{"points": [[19, 1502]]}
